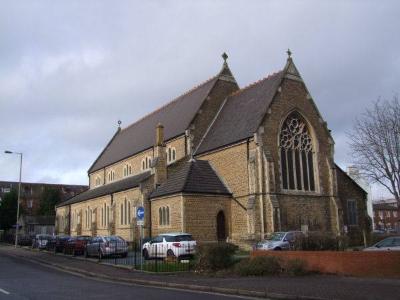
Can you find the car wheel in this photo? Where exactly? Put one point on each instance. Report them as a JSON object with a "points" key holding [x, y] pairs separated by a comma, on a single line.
{"points": [[146, 254], [170, 254], [278, 249]]}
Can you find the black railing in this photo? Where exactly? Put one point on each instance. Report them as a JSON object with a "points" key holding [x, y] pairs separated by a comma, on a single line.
{"points": [[153, 257]]}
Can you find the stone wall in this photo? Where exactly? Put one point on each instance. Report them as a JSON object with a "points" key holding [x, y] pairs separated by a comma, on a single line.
{"points": [[231, 164], [136, 162], [127, 229], [200, 215], [313, 207], [349, 190], [175, 205]]}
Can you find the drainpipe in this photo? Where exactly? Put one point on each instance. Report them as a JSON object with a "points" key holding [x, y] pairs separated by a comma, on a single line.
{"points": [[260, 182]]}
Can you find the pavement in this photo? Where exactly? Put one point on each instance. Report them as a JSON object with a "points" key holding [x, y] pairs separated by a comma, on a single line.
{"points": [[271, 287]]}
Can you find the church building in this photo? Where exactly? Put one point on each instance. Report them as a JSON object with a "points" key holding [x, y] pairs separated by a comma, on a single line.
{"points": [[222, 163]]}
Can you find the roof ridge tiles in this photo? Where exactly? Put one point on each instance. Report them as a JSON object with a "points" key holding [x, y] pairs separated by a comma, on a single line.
{"points": [[239, 91], [171, 102]]}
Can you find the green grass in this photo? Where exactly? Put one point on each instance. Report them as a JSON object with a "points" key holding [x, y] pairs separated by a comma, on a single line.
{"points": [[162, 266]]}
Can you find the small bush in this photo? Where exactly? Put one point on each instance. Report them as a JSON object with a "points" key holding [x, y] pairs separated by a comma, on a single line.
{"points": [[258, 266], [215, 256], [296, 267], [318, 241]]}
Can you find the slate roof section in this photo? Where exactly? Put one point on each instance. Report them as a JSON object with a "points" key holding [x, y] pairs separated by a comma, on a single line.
{"points": [[241, 114], [195, 176], [107, 189], [339, 169], [176, 117]]}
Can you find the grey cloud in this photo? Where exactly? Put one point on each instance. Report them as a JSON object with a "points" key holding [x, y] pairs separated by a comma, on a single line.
{"points": [[70, 70]]}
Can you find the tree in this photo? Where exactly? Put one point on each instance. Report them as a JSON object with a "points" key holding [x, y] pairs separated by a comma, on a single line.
{"points": [[375, 144], [49, 199], [8, 209]]}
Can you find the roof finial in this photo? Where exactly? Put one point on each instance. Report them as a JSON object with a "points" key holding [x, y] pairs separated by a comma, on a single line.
{"points": [[225, 57], [289, 53], [119, 124]]}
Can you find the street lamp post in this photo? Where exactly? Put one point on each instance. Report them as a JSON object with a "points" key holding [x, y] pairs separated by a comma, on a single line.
{"points": [[19, 193]]}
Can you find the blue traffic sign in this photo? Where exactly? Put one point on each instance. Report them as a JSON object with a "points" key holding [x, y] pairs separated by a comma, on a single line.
{"points": [[140, 213]]}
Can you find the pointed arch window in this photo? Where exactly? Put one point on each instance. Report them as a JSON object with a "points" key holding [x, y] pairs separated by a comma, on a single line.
{"points": [[171, 154], [163, 216], [296, 154], [127, 170]]}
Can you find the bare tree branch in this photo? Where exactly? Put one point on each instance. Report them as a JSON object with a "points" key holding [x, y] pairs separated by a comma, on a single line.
{"points": [[375, 144]]}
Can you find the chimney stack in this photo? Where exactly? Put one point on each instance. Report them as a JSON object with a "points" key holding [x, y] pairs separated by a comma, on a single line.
{"points": [[159, 135], [159, 165]]}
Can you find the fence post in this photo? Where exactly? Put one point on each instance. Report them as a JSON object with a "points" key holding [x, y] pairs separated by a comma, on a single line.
{"points": [[134, 264], [156, 258], [99, 253], [115, 254]]}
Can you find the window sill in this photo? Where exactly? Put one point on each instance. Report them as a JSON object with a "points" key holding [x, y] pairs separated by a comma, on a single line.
{"points": [[299, 192]]}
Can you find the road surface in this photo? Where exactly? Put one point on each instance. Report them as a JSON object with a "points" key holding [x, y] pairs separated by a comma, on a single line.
{"points": [[20, 279]]}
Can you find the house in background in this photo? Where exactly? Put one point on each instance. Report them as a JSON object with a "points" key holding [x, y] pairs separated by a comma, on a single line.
{"points": [[31, 193], [222, 163], [387, 215]]}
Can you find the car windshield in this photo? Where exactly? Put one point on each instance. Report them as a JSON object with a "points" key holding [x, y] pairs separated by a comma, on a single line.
{"points": [[178, 238], [113, 238], [277, 236]]}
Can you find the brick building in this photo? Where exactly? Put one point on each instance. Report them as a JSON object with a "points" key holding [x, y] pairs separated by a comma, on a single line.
{"points": [[387, 216], [223, 163], [31, 193]]}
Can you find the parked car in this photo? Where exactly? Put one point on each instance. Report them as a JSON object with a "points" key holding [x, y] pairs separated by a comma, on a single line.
{"points": [[76, 245], [102, 246], [25, 240], [178, 245], [57, 243], [280, 241], [40, 241], [391, 243]]}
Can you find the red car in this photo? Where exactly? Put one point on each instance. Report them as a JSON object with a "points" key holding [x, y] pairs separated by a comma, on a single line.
{"points": [[76, 245]]}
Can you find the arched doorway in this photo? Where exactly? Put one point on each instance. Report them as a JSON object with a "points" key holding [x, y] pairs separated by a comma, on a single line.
{"points": [[221, 232]]}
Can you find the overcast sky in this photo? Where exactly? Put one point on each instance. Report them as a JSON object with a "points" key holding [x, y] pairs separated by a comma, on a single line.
{"points": [[69, 70]]}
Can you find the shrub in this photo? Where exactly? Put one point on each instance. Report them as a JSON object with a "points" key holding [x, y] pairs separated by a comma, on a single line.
{"points": [[296, 267], [258, 266], [318, 241], [215, 256]]}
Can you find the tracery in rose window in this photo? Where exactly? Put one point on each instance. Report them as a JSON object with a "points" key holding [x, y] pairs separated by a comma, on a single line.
{"points": [[296, 151]]}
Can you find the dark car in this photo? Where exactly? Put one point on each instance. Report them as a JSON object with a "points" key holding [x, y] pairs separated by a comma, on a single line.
{"points": [[102, 246], [76, 245], [25, 240], [57, 243]]}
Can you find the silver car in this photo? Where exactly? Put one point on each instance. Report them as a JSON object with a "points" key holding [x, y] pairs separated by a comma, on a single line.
{"points": [[391, 243], [280, 241], [102, 246]]}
